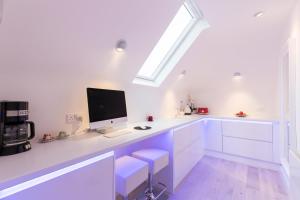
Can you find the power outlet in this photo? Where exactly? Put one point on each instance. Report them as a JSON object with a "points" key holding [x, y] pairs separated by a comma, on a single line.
{"points": [[70, 118]]}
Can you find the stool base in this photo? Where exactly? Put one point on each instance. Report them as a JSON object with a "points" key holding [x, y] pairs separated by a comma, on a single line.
{"points": [[150, 192]]}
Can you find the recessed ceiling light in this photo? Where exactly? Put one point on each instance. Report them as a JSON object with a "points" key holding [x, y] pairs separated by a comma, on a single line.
{"points": [[259, 14]]}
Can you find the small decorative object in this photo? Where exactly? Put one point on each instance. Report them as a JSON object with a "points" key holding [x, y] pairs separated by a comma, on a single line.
{"points": [[62, 135], [191, 104], [150, 118], [193, 108], [241, 114], [187, 110], [202, 111], [47, 137]]}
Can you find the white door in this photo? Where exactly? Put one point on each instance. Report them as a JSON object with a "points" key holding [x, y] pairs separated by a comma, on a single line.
{"points": [[285, 105], [288, 94]]}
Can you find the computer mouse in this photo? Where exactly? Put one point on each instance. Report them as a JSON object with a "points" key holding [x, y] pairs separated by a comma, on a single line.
{"points": [[142, 127]]}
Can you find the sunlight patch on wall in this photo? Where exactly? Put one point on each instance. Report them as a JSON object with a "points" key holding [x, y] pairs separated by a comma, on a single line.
{"points": [[170, 104], [242, 101]]}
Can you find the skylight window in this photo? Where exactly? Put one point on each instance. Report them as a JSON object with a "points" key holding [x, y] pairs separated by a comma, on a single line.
{"points": [[175, 41]]}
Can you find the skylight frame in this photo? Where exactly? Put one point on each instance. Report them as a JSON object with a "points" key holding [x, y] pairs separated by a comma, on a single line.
{"points": [[171, 51], [165, 66]]}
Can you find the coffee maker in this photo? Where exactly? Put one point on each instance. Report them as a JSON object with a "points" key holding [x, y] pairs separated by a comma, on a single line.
{"points": [[14, 127]]}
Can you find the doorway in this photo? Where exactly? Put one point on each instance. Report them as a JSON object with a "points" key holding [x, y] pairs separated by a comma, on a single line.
{"points": [[288, 139]]}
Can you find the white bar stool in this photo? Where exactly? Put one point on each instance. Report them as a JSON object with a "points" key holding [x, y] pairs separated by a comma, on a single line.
{"points": [[157, 160], [130, 173]]}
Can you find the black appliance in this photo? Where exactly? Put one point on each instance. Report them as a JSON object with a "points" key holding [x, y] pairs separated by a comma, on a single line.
{"points": [[14, 127], [106, 107]]}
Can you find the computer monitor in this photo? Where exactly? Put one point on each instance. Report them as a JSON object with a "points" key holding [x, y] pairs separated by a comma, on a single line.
{"points": [[107, 108]]}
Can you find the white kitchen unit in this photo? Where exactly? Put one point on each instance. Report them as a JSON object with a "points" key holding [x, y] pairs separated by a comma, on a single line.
{"points": [[213, 135], [251, 139], [91, 179], [187, 149], [63, 169], [243, 138], [248, 148], [84, 168], [260, 131]]}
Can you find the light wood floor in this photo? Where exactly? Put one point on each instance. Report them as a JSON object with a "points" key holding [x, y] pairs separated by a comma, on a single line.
{"points": [[217, 179]]}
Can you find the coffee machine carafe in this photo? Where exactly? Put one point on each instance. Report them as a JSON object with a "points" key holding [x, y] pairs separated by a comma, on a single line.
{"points": [[14, 128]]}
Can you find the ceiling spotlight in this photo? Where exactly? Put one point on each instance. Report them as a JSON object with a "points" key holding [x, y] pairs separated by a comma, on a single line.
{"points": [[259, 14], [121, 45], [182, 74], [237, 75]]}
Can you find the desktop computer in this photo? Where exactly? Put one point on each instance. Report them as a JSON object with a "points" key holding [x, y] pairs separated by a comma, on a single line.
{"points": [[107, 111]]}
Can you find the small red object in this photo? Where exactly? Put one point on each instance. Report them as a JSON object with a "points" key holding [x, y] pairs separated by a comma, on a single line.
{"points": [[241, 114], [150, 118], [202, 111]]}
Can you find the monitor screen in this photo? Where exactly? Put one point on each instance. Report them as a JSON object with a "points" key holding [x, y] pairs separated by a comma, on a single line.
{"points": [[106, 104]]}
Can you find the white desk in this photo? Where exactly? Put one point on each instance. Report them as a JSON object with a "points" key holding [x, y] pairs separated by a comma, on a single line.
{"points": [[46, 158]]}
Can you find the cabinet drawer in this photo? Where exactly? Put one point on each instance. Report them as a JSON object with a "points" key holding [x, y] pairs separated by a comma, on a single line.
{"points": [[262, 131], [213, 135], [248, 148], [185, 161], [213, 126], [186, 135]]}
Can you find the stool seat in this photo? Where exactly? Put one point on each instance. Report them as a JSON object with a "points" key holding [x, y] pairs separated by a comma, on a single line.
{"points": [[130, 173], [156, 158]]}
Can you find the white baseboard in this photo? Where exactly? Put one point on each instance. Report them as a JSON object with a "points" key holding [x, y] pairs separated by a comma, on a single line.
{"points": [[294, 178], [247, 161], [285, 172], [285, 178], [285, 167]]}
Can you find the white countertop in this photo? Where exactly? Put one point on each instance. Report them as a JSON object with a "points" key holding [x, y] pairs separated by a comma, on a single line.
{"points": [[45, 156], [248, 118]]}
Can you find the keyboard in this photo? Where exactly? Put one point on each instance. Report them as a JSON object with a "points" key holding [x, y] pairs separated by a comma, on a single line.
{"points": [[117, 133]]}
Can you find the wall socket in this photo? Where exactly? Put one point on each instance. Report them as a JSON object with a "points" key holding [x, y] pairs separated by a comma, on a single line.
{"points": [[71, 118]]}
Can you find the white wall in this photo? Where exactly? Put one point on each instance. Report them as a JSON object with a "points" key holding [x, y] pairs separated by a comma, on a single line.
{"points": [[51, 50], [237, 42], [294, 33]]}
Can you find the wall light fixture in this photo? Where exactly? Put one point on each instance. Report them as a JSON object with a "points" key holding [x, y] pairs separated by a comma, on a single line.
{"points": [[237, 75], [121, 45]]}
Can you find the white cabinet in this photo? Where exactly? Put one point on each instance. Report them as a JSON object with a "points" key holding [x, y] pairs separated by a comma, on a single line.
{"points": [[95, 181], [213, 135], [250, 139], [262, 131], [248, 148], [186, 135], [187, 150]]}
